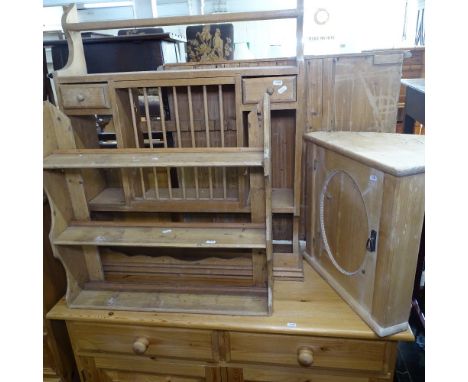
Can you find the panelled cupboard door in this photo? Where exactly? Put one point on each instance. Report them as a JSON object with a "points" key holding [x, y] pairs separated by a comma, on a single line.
{"points": [[257, 374], [127, 376], [348, 198], [143, 369]]}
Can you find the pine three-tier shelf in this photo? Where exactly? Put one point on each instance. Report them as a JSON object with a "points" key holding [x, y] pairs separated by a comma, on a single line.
{"points": [[178, 210]]}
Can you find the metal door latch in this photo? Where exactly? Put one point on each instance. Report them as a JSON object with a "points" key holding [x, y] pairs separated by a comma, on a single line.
{"points": [[370, 245]]}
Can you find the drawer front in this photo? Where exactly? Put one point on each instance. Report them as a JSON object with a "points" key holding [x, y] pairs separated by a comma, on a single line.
{"points": [[284, 89], [95, 96], [120, 339], [324, 352]]}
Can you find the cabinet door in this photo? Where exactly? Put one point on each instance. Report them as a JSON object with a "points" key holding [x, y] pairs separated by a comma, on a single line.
{"points": [[347, 198], [135, 369], [130, 376], [261, 374]]}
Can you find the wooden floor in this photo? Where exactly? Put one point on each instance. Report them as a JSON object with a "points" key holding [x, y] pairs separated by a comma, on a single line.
{"points": [[309, 308]]}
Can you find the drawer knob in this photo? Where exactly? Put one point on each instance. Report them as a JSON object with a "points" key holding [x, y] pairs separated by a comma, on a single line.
{"points": [[80, 97], [305, 357], [140, 345]]}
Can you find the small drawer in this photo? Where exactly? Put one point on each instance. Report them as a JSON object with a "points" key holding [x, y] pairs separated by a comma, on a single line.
{"points": [[284, 89], [85, 96], [308, 351], [141, 340]]}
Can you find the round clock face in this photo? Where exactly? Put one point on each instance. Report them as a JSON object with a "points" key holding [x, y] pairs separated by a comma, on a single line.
{"points": [[321, 16]]}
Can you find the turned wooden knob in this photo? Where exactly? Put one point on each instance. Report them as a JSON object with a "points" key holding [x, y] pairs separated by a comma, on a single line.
{"points": [[305, 357], [270, 91], [140, 345], [80, 97]]}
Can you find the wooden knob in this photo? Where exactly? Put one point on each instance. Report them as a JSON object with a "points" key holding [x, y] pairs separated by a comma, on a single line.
{"points": [[305, 357], [140, 345], [270, 91], [80, 97]]}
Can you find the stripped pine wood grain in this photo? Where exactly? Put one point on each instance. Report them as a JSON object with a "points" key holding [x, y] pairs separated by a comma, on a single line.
{"points": [[379, 183], [125, 138], [112, 199], [181, 74], [205, 108], [192, 134], [182, 20], [60, 125], [155, 158], [137, 132], [325, 315], [163, 237]]}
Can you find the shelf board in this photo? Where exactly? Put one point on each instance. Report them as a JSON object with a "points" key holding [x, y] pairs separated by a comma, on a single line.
{"points": [[282, 200], [179, 236], [230, 304], [113, 199], [131, 158]]}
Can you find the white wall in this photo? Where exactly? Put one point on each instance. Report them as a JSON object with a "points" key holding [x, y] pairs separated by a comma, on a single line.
{"points": [[352, 26]]}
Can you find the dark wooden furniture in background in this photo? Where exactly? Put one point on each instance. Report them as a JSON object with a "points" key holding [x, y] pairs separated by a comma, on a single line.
{"points": [[414, 105], [413, 67], [47, 93], [136, 52]]}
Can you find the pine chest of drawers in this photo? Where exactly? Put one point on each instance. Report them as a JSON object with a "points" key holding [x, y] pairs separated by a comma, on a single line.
{"points": [[313, 335]]}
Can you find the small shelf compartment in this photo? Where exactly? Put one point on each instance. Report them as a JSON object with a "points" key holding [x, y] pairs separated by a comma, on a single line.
{"points": [[282, 200]]}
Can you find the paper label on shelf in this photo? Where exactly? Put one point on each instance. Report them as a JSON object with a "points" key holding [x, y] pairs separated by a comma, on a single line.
{"points": [[291, 324], [166, 230], [277, 82], [282, 89], [210, 242], [111, 301]]}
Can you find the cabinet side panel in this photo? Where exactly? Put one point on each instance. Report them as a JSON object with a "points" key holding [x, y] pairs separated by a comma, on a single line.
{"points": [[398, 245]]}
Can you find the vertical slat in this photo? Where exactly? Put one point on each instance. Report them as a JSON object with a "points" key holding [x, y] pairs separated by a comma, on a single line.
{"points": [[169, 182], [221, 112], [259, 268], [221, 119], [147, 115], [179, 139], [257, 182], [207, 129], [300, 30], [300, 123], [122, 120], [150, 137], [192, 132], [81, 212], [268, 190], [162, 116], [163, 126], [176, 107], [137, 141], [240, 139]]}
